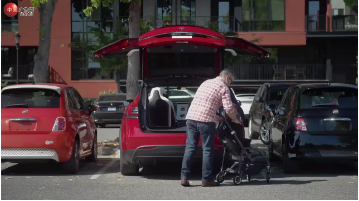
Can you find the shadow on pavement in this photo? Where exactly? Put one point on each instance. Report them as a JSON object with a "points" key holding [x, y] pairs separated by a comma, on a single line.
{"points": [[55, 169], [172, 171]]}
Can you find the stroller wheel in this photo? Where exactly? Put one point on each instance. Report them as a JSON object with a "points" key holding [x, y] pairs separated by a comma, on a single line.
{"points": [[237, 180], [220, 177], [268, 177]]}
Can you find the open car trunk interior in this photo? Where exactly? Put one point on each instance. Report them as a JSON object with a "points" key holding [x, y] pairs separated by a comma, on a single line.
{"points": [[174, 70]]}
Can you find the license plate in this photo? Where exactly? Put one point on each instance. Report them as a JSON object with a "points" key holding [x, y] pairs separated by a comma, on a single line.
{"points": [[337, 125], [111, 109]]}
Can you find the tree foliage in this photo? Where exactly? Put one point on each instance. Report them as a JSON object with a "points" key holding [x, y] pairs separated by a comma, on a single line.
{"points": [[351, 3]]}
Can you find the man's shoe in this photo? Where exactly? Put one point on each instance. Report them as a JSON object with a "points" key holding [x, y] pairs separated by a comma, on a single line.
{"points": [[209, 183], [185, 182]]}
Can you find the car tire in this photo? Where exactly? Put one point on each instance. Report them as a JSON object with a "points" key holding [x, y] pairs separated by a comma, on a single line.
{"points": [[93, 156], [261, 135], [128, 169], [72, 166], [252, 135], [289, 165]]}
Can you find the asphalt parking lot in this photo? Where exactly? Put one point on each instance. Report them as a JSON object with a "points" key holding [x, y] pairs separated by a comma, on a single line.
{"points": [[103, 180]]}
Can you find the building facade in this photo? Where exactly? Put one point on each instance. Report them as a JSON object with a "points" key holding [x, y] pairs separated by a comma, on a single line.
{"points": [[308, 39]]}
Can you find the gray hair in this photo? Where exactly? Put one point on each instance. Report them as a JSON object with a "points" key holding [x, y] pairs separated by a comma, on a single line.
{"points": [[227, 72]]}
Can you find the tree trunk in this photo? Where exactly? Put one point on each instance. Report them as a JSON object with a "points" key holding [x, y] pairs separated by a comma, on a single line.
{"points": [[42, 56], [117, 78], [133, 72]]}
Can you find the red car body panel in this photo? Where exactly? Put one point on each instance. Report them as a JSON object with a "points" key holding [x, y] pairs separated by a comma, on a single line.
{"points": [[35, 135]]}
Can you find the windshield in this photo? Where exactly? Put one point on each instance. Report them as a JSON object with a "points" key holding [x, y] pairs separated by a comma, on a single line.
{"points": [[119, 97], [30, 98], [276, 93], [330, 97], [182, 59]]}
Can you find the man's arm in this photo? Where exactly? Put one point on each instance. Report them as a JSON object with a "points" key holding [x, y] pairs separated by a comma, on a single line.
{"points": [[228, 105]]}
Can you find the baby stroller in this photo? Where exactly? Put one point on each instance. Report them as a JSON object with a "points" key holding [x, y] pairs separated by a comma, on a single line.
{"points": [[237, 148], [247, 161]]}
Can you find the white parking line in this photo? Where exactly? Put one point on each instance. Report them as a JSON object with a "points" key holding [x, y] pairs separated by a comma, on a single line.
{"points": [[100, 172]]}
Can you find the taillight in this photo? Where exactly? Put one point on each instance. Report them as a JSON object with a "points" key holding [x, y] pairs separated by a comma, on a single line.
{"points": [[60, 124], [300, 124], [98, 108], [133, 111]]}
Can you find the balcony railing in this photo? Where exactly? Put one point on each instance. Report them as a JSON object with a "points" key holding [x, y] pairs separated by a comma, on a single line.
{"points": [[345, 23], [280, 72], [321, 23], [222, 24]]}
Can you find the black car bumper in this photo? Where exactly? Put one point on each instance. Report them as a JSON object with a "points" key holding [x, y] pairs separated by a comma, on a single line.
{"points": [[322, 147], [146, 154], [103, 117]]}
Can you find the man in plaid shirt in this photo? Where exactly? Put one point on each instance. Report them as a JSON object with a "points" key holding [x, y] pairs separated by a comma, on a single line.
{"points": [[201, 121]]}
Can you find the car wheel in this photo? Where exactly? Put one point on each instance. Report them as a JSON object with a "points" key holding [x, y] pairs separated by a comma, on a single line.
{"points": [[128, 169], [93, 156], [72, 166], [289, 165], [252, 135], [264, 132]]}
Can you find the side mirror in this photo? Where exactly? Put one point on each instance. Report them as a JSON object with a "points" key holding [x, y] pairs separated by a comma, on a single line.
{"points": [[91, 108]]}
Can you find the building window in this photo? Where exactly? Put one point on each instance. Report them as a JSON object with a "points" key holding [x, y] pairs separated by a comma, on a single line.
{"points": [[26, 61], [188, 12], [263, 15], [8, 24], [164, 13], [82, 66]]}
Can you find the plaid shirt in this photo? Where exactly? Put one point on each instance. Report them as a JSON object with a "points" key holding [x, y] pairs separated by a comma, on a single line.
{"points": [[210, 96]]}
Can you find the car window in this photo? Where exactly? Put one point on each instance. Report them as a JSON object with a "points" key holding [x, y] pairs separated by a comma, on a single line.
{"points": [[115, 97], [329, 97], [289, 99], [78, 100], [30, 98], [259, 91], [70, 100], [276, 93], [178, 93]]}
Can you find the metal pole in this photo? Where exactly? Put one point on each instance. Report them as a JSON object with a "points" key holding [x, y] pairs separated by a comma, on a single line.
{"points": [[17, 64]]}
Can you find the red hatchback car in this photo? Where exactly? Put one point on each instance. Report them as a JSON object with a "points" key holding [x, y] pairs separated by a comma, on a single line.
{"points": [[182, 57], [46, 122]]}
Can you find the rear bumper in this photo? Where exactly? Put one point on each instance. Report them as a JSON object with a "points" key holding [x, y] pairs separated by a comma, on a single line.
{"points": [[323, 147], [101, 117], [145, 154], [29, 154], [54, 146]]}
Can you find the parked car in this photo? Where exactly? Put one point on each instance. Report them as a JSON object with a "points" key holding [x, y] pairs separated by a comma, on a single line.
{"points": [[172, 57], [269, 94], [110, 109], [318, 122], [46, 122], [246, 103]]}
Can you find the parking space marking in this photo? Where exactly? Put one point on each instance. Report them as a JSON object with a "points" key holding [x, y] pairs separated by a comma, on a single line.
{"points": [[103, 170]]}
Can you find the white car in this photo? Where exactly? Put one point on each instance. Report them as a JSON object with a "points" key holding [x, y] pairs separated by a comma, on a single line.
{"points": [[246, 101]]}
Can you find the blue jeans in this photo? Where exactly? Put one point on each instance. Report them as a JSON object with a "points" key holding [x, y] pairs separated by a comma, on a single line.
{"points": [[207, 132]]}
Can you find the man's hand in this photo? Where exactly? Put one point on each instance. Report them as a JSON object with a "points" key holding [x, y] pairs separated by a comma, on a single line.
{"points": [[218, 118]]}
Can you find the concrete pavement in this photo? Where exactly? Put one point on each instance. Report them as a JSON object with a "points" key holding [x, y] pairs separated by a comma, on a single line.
{"points": [[103, 180]]}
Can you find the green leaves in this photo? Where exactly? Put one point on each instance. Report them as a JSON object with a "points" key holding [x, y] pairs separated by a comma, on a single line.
{"points": [[38, 3]]}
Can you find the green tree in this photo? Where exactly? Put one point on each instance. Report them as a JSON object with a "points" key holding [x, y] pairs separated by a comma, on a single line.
{"points": [[108, 65], [350, 3], [133, 70], [46, 9]]}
